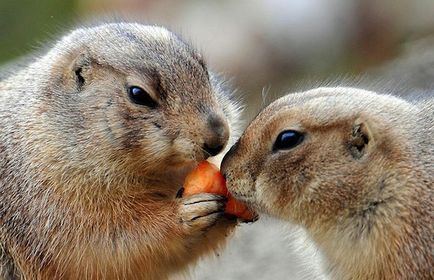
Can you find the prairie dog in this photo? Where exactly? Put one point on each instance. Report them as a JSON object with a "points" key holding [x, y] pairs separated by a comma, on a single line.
{"points": [[96, 137], [354, 168]]}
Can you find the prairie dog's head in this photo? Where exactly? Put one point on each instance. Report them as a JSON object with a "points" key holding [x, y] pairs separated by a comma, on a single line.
{"points": [[320, 156], [134, 98]]}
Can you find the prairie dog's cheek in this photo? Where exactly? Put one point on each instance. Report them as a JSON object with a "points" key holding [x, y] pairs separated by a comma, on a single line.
{"points": [[270, 197], [157, 149], [185, 149], [241, 187], [265, 195]]}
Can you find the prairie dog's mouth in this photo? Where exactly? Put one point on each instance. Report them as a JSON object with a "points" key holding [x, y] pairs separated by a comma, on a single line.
{"points": [[250, 201], [242, 197], [180, 164], [182, 169], [173, 173]]}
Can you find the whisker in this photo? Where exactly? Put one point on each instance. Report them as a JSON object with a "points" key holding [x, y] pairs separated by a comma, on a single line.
{"points": [[264, 93]]}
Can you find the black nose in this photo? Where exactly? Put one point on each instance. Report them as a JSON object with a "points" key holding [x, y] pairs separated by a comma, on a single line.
{"points": [[217, 136], [213, 151]]}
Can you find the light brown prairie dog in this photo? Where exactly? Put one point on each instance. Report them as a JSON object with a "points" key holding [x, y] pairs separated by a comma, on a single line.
{"points": [[96, 137], [353, 167]]}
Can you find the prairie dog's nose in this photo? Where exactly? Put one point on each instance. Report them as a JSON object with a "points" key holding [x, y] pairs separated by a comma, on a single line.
{"points": [[217, 135]]}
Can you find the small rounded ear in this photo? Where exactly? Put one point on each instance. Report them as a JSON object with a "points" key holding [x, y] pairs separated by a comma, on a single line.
{"points": [[78, 71], [361, 138]]}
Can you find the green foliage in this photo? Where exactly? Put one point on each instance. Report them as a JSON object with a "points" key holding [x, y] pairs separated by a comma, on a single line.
{"points": [[24, 24]]}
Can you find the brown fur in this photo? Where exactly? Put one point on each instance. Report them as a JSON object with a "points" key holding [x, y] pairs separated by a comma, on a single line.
{"points": [[361, 182], [88, 178]]}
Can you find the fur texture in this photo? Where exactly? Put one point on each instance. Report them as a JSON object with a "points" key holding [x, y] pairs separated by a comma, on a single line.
{"points": [[88, 178], [361, 182]]}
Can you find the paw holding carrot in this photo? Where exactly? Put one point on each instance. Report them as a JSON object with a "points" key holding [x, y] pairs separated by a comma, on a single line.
{"points": [[206, 178]]}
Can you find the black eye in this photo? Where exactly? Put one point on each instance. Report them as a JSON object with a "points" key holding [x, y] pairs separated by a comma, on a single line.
{"points": [[287, 139], [141, 97]]}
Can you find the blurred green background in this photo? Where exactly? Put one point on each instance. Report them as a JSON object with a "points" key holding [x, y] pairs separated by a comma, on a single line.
{"points": [[26, 24]]}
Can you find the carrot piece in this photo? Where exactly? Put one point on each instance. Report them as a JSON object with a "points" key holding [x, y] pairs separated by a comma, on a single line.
{"points": [[239, 209], [206, 178]]}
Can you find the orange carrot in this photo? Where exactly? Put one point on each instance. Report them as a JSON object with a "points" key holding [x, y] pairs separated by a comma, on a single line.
{"points": [[239, 209], [206, 178]]}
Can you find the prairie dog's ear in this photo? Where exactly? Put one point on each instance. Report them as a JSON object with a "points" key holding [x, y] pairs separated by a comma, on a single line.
{"points": [[79, 70], [362, 137]]}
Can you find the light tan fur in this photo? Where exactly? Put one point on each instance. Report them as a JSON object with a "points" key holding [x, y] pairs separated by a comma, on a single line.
{"points": [[361, 182], [88, 178]]}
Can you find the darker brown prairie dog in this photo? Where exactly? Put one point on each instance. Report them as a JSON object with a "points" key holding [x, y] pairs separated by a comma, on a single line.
{"points": [[355, 168], [96, 137]]}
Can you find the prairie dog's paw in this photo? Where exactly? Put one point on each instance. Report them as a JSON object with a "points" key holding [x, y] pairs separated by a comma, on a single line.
{"points": [[201, 211]]}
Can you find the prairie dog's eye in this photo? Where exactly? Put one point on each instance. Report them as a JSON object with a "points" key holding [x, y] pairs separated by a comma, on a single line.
{"points": [[287, 139], [141, 97]]}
